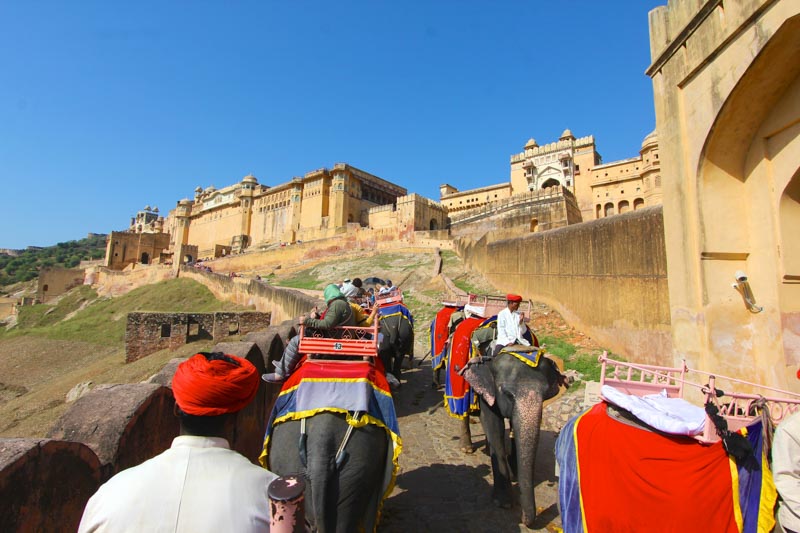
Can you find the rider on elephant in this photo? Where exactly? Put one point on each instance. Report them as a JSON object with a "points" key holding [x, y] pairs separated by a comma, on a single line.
{"points": [[511, 328], [338, 313]]}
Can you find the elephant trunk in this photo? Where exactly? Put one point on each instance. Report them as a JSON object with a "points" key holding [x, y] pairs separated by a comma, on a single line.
{"points": [[526, 422]]}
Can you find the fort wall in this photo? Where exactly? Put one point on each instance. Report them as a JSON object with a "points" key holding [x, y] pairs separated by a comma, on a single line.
{"points": [[56, 281], [606, 277]]}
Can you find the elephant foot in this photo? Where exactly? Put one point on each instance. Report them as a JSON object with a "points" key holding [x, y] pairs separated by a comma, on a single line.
{"points": [[528, 521], [394, 383], [501, 503]]}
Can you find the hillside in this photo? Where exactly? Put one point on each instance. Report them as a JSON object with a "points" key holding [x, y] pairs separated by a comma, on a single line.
{"points": [[79, 338], [25, 265]]}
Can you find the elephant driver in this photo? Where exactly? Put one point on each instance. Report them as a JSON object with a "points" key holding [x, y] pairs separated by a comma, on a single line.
{"points": [[511, 326], [338, 313]]}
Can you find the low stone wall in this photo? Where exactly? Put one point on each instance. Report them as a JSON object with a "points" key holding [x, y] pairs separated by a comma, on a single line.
{"points": [[45, 484], [281, 304], [146, 333]]}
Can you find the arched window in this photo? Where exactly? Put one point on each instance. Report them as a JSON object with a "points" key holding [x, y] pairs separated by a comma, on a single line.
{"points": [[624, 206], [534, 225], [638, 203], [608, 209], [598, 211]]}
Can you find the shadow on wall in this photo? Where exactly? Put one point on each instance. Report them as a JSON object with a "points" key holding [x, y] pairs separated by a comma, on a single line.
{"points": [[112, 428]]}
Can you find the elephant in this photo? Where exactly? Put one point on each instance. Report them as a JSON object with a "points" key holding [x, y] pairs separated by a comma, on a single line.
{"points": [[342, 494], [509, 388], [397, 328]]}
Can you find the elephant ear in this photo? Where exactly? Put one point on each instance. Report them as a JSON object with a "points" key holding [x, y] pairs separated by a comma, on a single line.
{"points": [[480, 378]]}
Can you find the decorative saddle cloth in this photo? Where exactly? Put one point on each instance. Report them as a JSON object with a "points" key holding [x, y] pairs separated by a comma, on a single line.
{"points": [[677, 482], [459, 399], [530, 355], [319, 385], [396, 309], [439, 335]]}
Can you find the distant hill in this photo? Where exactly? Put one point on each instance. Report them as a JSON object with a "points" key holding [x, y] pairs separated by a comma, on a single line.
{"points": [[24, 265]]}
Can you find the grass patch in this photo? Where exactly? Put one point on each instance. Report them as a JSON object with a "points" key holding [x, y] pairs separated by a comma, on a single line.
{"points": [[305, 279], [466, 286], [558, 347], [103, 320], [586, 365]]}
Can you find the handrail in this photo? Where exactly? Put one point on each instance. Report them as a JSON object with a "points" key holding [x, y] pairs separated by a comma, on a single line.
{"points": [[739, 409]]}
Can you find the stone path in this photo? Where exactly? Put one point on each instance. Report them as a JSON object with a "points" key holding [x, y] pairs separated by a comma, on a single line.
{"points": [[439, 488]]}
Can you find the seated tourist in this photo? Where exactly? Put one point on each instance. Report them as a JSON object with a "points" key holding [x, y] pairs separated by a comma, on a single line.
{"points": [[337, 313]]}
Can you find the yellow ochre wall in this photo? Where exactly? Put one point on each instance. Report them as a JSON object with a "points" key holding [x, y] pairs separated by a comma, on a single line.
{"points": [[727, 98]]}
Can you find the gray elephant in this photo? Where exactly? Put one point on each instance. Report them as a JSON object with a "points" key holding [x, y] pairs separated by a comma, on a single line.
{"points": [[397, 328], [344, 491], [513, 389]]}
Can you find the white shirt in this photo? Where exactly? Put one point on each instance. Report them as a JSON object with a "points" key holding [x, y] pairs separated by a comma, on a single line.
{"points": [[197, 485], [786, 471], [509, 329]]}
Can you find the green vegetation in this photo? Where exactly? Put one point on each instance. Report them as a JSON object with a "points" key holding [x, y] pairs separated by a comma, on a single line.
{"points": [[26, 265], [305, 279], [558, 347], [466, 286], [584, 363], [83, 316]]}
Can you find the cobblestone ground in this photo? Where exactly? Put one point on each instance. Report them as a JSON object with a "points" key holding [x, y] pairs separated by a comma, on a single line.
{"points": [[439, 488]]}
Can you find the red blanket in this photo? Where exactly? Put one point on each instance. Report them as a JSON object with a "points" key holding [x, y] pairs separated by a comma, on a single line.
{"points": [[650, 482]]}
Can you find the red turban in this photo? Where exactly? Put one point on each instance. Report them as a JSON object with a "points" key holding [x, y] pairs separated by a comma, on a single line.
{"points": [[513, 297], [204, 387]]}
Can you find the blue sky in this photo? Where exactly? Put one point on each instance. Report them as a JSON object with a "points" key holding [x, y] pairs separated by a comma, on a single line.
{"points": [[106, 107]]}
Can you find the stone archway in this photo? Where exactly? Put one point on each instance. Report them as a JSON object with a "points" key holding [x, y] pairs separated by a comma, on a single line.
{"points": [[434, 225], [749, 209], [145, 259]]}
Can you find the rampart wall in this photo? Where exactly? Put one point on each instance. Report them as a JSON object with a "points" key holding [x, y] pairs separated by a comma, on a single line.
{"points": [[116, 283], [45, 483], [607, 277], [54, 282]]}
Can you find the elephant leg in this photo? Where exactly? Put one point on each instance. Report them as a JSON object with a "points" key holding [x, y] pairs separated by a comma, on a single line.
{"points": [[495, 429], [465, 436], [397, 367], [526, 422]]}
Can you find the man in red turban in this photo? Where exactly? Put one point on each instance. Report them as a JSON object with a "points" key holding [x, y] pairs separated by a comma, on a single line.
{"points": [[199, 484], [511, 326]]}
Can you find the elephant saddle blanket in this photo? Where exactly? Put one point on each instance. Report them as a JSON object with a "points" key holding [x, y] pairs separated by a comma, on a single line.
{"points": [[617, 477], [459, 398], [530, 355], [397, 309], [345, 387], [440, 331]]}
